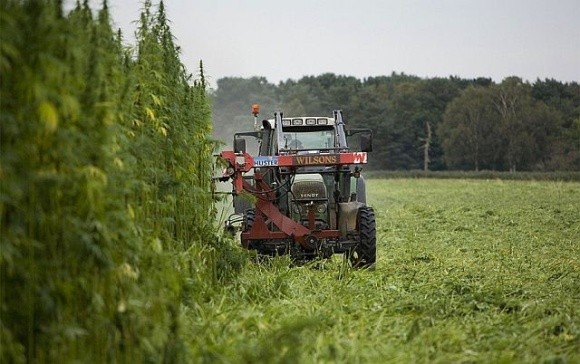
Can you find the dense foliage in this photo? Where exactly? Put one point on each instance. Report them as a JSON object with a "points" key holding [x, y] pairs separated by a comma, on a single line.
{"points": [[464, 124], [105, 194]]}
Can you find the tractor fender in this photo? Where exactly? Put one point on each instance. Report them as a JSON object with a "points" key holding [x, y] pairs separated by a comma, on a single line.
{"points": [[361, 190], [347, 216], [358, 189]]}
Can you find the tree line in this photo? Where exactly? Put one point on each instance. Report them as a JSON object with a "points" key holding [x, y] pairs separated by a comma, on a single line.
{"points": [[106, 207], [435, 123]]}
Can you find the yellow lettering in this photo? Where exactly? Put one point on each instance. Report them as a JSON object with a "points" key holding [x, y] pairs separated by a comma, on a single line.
{"points": [[320, 159]]}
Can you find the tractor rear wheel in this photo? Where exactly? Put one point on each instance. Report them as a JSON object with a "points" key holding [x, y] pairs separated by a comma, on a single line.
{"points": [[364, 255]]}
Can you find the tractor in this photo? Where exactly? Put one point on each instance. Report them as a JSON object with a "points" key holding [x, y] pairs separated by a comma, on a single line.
{"points": [[303, 193]]}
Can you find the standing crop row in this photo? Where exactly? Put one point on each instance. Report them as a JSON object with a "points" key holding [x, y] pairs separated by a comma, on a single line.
{"points": [[105, 194]]}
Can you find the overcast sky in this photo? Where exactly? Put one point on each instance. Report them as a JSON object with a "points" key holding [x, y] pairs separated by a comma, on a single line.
{"points": [[428, 38]]}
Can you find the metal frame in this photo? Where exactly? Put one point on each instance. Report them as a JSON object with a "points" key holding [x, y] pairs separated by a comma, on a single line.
{"points": [[267, 213]]}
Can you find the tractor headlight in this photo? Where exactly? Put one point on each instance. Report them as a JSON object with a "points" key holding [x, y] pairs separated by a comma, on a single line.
{"points": [[297, 209], [321, 208]]}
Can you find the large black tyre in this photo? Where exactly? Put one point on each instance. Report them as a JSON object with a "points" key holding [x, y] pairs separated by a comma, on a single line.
{"points": [[364, 255], [248, 222]]}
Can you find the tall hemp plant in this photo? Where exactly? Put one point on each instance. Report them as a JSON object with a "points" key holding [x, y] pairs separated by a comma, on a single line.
{"points": [[105, 171], [62, 230]]}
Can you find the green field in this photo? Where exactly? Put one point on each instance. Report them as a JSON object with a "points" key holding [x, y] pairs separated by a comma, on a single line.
{"points": [[468, 271]]}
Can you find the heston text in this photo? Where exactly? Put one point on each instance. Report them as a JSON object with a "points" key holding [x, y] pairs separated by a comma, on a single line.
{"points": [[265, 161]]}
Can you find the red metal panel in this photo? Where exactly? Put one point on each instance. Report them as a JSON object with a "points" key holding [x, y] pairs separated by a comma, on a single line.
{"points": [[353, 158], [244, 162], [284, 223]]}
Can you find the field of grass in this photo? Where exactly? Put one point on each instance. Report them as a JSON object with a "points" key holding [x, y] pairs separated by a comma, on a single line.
{"points": [[468, 271]]}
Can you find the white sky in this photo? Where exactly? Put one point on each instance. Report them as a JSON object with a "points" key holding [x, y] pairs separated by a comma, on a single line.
{"points": [[428, 38]]}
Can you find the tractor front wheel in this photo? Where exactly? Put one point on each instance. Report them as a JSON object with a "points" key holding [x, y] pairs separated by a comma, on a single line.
{"points": [[364, 255], [248, 222]]}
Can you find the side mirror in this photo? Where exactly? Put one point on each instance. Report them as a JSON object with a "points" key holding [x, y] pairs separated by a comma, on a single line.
{"points": [[239, 145], [363, 136], [366, 142]]}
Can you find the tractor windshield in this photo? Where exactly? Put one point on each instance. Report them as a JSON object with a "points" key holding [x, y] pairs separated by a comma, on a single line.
{"points": [[309, 138]]}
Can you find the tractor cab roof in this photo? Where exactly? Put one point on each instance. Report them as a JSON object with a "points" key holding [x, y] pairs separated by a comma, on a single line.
{"points": [[303, 121]]}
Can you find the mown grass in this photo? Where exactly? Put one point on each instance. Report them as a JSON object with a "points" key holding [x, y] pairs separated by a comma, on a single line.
{"points": [[485, 174], [468, 271]]}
